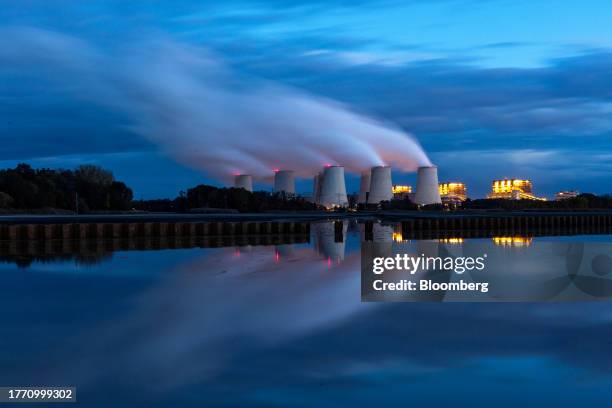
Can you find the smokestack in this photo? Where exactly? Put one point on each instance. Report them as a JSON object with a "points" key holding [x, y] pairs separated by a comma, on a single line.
{"points": [[333, 188], [244, 181], [427, 191], [284, 182], [364, 187], [381, 188]]}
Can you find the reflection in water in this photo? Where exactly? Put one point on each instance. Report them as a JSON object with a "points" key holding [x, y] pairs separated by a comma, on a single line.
{"points": [[451, 241], [512, 241], [273, 325], [330, 239]]}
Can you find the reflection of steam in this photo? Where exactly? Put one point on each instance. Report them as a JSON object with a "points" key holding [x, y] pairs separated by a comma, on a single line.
{"points": [[191, 323], [208, 115]]}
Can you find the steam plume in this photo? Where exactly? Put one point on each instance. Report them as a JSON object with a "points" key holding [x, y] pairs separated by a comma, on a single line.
{"points": [[208, 116]]}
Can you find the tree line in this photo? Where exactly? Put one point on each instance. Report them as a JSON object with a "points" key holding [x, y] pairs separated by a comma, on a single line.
{"points": [[204, 197], [84, 189], [90, 188]]}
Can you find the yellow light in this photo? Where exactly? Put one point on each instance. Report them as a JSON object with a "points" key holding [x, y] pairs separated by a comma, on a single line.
{"points": [[451, 241], [401, 189], [512, 241], [397, 237]]}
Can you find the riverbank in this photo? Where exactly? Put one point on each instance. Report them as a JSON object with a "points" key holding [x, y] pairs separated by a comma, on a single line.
{"points": [[282, 216]]}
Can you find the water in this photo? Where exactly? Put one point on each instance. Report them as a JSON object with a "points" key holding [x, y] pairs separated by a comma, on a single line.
{"points": [[284, 325]]}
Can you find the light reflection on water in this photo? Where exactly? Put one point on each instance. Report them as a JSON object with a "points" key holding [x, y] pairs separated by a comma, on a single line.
{"points": [[283, 325]]}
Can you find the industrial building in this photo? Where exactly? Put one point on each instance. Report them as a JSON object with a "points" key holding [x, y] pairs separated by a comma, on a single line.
{"points": [[364, 187], [332, 188], [381, 187], [564, 195], [453, 193], [284, 182], [401, 192], [427, 191], [513, 189], [329, 188], [244, 181]]}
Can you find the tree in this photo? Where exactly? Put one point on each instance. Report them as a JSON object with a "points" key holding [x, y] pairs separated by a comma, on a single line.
{"points": [[5, 200], [90, 173]]}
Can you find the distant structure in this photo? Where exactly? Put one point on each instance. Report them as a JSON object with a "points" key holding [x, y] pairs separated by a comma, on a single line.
{"points": [[453, 193], [564, 195], [244, 181], [364, 187], [427, 191], [513, 189], [284, 182], [316, 189], [401, 192], [381, 187], [333, 188]]}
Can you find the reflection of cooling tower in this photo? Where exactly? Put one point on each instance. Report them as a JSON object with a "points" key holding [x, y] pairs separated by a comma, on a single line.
{"points": [[244, 181], [381, 188], [427, 191], [333, 188], [364, 187], [284, 182], [330, 239]]}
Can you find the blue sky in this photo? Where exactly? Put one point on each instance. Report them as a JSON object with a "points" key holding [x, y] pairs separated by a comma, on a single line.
{"points": [[490, 88]]}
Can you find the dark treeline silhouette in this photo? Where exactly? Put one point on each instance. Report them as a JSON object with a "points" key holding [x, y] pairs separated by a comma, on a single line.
{"points": [[88, 188], [205, 197]]}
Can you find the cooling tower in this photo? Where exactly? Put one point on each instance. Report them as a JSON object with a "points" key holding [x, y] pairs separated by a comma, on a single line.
{"points": [[364, 187], [284, 182], [244, 181], [333, 188], [427, 191], [316, 189], [381, 188]]}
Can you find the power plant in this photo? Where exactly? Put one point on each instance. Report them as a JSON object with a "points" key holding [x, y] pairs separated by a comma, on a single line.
{"points": [[284, 182], [381, 187], [364, 187], [401, 192], [427, 190], [514, 189], [244, 181], [453, 193], [333, 188], [316, 189], [329, 187]]}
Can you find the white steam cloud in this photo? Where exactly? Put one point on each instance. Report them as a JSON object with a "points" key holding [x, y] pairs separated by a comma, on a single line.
{"points": [[207, 115]]}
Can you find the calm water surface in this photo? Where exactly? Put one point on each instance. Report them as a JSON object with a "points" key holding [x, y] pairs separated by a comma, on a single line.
{"points": [[284, 325]]}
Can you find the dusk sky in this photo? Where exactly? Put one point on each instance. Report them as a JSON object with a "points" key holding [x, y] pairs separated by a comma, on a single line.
{"points": [[490, 88]]}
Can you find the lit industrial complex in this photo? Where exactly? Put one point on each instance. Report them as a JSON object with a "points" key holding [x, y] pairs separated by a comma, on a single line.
{"points": [[329, 188], [401, 192], [564, 195], [513, 189], [453, 193]]}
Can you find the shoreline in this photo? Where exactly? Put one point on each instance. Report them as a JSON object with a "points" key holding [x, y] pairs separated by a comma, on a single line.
{"points": [[281, 216]]}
